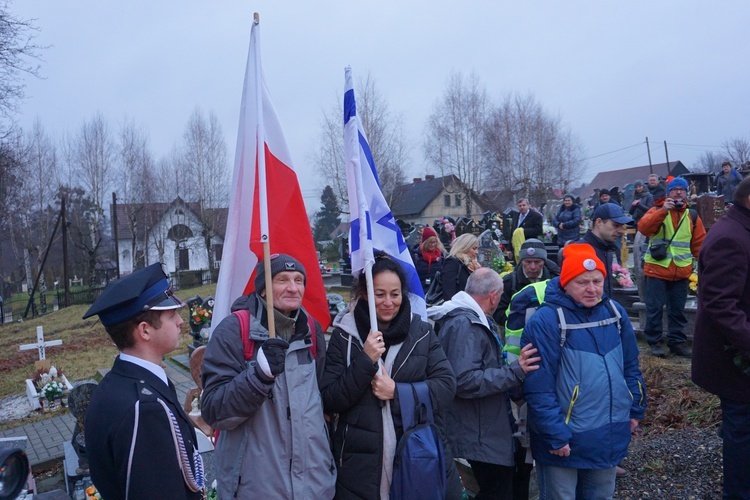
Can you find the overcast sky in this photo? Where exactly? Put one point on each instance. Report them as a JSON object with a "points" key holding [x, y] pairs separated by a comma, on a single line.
{"points": [[615, 71]]}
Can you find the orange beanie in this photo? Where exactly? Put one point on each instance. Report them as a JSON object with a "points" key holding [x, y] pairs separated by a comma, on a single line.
{"points": [[579, 258]]}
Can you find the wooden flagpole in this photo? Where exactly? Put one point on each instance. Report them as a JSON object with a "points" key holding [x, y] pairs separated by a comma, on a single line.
{"points": [[263, 202]]}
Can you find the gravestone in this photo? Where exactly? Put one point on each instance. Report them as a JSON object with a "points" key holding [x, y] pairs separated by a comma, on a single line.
{"points": [[508, 224], [412, 236], [199, 327], [462, 226], [78, 402], [42, 364], [40, 345], [710, 209], [488, 250], [475, 228]]}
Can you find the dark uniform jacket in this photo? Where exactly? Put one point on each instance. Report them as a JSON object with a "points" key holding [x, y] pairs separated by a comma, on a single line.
{"points": [[127, 401]]}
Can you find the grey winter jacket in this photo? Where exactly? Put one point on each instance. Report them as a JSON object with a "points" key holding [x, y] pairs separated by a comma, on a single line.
{"points": [[273, 440], [478, 422]]}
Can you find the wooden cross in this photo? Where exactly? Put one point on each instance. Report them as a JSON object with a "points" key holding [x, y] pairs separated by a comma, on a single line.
{"points": [[40, 344]]}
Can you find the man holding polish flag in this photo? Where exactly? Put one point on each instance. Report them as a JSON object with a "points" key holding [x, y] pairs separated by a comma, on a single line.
{"points": [[263, 361], [287, 229]]}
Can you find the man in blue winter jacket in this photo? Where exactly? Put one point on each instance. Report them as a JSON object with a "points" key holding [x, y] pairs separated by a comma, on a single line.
{"points": [[588, 394]]}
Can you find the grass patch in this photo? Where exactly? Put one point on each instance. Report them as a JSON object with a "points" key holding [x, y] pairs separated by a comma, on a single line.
{"points": [[86, 346], [674, 401]]}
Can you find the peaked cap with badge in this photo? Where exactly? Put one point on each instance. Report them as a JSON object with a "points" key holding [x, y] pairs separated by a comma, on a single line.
{"points": [[146, 289]]}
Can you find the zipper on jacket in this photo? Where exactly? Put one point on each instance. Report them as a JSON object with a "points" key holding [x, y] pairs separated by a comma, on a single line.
{"points": [[420, 339], [573, 399], [343, 442], [288, 413]]}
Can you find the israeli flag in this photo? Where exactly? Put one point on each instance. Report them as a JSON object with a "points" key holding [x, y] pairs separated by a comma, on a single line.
{"points": [[372, 225]]}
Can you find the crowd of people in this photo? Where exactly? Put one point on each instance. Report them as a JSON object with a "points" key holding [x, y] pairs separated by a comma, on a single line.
{"points": [[537, 369]]}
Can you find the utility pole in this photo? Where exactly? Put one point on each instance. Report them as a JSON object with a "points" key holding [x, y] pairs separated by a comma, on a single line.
{"points": [[666, 152], [66, 283], [650, 166], [114, 232]]}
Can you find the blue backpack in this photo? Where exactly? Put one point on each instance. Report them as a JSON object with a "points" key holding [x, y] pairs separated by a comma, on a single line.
{"points": [[419, 462]]}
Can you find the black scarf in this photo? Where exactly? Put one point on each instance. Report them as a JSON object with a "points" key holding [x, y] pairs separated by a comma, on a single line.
{"points": [[396, 331]]}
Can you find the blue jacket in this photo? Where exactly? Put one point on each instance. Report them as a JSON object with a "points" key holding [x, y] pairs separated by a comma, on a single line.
{"points": [[570, 218], [584, 393]]}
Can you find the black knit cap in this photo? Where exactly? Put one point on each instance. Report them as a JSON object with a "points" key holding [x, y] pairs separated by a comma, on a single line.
{"points": [[279, 262]]}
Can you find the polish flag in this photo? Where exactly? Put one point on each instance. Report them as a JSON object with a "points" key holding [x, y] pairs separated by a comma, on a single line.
{"points": [[288, 226]]}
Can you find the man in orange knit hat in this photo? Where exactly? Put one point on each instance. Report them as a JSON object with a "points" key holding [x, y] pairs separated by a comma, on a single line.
{"points": [[588, 394]]}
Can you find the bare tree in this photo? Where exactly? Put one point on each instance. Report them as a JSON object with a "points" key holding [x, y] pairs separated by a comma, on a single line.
{"points": [[18, 56], [529, 151], [709, 161], [137, 187], [384, 132], [454, 141], [95, 159], [39, 187], [93, 156], [11, 175], [737, 150], [30, 217], [205, 163]]}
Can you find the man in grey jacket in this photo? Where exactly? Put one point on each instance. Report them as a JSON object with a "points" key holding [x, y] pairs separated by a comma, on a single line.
{"points": [[478, 422], [272, 441]]}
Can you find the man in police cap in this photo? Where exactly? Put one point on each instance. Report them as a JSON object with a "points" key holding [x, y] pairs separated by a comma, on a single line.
{"points": [[139, 441]]}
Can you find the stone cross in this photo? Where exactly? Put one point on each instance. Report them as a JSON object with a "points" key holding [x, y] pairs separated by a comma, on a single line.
{"points": [[40, 344]]}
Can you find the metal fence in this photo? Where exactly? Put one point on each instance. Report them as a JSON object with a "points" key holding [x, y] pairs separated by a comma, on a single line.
{"points": [[43, 303], [49, 301]]}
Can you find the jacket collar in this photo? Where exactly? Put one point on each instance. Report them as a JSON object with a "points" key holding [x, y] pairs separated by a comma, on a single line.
{"points": [[135, 372]]}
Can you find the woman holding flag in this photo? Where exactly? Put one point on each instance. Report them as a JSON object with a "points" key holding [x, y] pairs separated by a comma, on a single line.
{"points": [[362, 369]]}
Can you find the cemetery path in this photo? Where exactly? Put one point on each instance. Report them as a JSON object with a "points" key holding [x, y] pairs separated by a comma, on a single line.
{"points": [[47, 437]]}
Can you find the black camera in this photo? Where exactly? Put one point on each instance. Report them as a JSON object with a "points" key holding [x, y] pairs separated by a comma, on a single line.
{"points": [[679, 204]]}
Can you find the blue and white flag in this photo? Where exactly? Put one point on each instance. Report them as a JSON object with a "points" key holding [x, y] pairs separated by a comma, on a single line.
{"points": [[372, 225]]}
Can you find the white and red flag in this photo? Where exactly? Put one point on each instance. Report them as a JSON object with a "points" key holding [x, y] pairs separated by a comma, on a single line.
{"points": [[288, 228]]}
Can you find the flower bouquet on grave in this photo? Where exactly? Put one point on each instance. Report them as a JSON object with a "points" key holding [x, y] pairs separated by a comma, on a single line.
{"points": [[549, 234], [52, 391], [44, 380], [497, 263], [200, 315], [622, 276]]}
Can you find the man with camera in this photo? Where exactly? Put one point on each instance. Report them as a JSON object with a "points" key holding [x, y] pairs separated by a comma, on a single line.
{"points": [[676, 234]]}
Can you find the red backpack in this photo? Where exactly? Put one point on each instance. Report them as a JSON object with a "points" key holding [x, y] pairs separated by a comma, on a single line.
{"points": [[248, 344]]}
